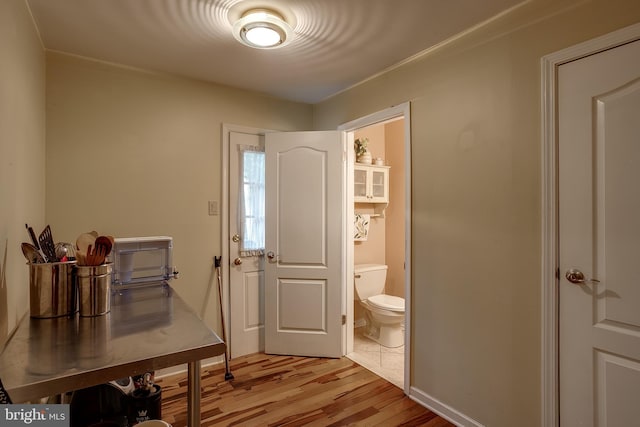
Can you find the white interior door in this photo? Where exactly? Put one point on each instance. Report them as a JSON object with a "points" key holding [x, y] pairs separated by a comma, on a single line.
{"points": [[246, 273], [304, 265], [599, 226]]}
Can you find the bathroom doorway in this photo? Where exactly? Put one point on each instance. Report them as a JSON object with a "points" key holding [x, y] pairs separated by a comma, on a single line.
{"points": [[386, 239]]}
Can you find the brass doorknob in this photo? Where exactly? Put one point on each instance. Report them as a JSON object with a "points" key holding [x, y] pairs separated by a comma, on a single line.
{"points": [[237, 261]]}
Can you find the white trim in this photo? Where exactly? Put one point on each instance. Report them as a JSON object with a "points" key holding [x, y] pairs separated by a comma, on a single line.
{"points": [[347, 242], [182, 369], [550, 409], [401, 110], [445, 411]]}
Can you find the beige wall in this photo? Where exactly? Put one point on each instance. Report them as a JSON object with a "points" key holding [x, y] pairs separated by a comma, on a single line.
{"points": [[475, 132], [395, 212], [22, 153], [133, 153]]}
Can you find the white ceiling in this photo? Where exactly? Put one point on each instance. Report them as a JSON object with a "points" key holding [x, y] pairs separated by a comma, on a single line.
{"points": [[337, 43]]}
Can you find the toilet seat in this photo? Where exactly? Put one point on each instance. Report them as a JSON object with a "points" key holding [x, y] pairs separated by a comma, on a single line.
{"points": [[387, 302]]}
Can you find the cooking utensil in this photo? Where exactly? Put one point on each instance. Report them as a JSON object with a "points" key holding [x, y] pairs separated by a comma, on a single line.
{"points": [[61, 251], [65, 249], [89, 257], [32, 254], [47, 245], [105, 243], [81, 257], [100, 254], [32, 235], [95, 255], [84, 241], [34, 241]]}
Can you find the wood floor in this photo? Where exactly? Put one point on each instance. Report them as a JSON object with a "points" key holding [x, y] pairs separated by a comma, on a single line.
{"points": [[294, 391]]}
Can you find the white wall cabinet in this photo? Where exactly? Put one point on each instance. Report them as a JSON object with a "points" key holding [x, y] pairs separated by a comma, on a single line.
{"points": [[370, 183]]}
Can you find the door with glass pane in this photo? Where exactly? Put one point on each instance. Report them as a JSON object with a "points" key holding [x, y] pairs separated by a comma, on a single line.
{"points": [[307, 233], [246, 232]]}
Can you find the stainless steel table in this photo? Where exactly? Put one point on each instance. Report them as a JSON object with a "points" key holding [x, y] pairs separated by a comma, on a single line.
{"points": [[148, 328]]}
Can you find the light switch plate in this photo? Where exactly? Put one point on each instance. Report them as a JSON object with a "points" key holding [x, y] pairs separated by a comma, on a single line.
{"points": [[213, 207]]}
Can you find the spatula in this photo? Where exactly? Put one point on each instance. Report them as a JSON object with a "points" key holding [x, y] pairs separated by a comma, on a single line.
{"points": [[46, 245]]}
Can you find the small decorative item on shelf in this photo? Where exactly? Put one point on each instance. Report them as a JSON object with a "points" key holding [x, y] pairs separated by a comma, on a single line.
{"points": [[362, 155]]}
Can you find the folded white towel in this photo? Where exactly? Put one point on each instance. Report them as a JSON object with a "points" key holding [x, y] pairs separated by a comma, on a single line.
{"points": [[361, 226]]}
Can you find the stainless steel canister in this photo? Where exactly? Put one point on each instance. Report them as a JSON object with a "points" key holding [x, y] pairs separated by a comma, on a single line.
{"points": [[94, 289], [51, 290]]}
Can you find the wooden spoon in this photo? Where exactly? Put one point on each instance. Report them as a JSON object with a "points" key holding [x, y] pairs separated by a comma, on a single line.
{"points": [[90, 256], [84, 241], [105, 243], [81, 257]]}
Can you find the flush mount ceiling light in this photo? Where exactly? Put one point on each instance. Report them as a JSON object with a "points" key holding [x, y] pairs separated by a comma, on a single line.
{"points": [[262, 29]]}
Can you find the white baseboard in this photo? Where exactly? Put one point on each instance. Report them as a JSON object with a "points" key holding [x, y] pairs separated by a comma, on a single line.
{"points": [[442, 409], [181, 369]]}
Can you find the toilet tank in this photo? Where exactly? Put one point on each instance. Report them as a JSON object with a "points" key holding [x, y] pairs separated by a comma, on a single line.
{"points": [[369, 280]]}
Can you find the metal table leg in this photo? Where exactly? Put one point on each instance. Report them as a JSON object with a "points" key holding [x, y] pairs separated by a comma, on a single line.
{"points": [[193, 394]]}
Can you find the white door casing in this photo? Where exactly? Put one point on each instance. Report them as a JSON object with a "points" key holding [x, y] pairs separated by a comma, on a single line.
{"points": [[549, 408], [304, 265], [246, 291], [599, 234], [401, 110]]}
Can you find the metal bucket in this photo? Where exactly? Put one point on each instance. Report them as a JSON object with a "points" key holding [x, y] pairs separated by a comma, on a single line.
{"points": [[145, 405], [51, 290], [94, 289]]}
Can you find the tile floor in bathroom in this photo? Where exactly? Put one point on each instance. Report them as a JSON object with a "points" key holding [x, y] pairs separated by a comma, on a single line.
{"points": [[383, 361]]}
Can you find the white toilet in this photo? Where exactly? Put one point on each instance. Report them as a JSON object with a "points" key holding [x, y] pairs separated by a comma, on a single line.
{"points": [[385, 313]]}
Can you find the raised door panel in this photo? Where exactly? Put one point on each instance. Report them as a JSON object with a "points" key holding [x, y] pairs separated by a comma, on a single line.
{"points": [[617, 155], [302, 306], [302, 207]]}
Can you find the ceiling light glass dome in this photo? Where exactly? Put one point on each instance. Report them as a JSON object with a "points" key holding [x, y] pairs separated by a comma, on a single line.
{"points": [[262, 29]]}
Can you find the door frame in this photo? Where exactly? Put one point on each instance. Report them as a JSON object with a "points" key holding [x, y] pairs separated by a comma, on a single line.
{"points": [[400, 110], [550, 408]]}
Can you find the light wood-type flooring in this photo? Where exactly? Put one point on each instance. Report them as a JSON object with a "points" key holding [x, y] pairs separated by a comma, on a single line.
{"points": [[294, 391]]}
